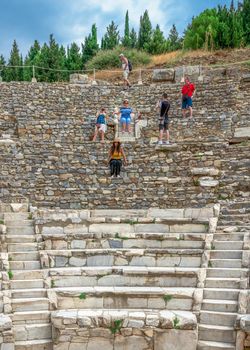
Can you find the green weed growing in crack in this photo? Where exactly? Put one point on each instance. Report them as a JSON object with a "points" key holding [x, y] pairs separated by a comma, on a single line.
{"points": [[176, 323], [212, 246], [131, 222], [1, 222], [10, 274], [82, 296], [52, 283], [30, 217], [167, 298], [119, 237], [210, 264], [116, 327]]}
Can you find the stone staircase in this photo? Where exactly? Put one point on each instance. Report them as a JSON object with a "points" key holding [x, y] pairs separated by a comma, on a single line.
{"points": [[227, 276], [29, 302]]}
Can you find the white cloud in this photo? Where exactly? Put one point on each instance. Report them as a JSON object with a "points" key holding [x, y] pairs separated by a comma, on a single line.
{"points": [[76, 24]]}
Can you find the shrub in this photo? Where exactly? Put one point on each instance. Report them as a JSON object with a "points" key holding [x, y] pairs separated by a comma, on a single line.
{"points": [[106, 59]]}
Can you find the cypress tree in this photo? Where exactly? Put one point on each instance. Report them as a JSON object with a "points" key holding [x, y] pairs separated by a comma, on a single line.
{"points": [[90, 47], [174, 40], [74, 57], [133, 38], [31, 59], [158, 43], [111, 37], [246, 20], [2, 69], [126, 41], [145, 31], [14, 73]]}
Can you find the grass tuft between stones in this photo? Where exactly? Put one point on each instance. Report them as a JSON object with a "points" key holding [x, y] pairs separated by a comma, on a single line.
{"points": [[176, 323], [116, 327], [10, 274], [83, 296], [167, 297]]}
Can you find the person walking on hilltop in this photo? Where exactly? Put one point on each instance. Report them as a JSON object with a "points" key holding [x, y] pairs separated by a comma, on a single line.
{"points": [[188, 91], [126, 70], [100, 126], [116, 154], [163, 106]]}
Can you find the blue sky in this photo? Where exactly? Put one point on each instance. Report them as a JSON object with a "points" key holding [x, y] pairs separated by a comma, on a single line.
{"points": [[71, 20]]}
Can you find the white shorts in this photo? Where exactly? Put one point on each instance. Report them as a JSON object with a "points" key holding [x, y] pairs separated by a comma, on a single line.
{"points": [[103, 127], [125, 74]]}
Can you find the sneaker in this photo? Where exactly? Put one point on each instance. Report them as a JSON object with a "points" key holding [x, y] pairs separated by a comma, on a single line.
{"points": [[160, 142], [112, 176], [167, 142], [118, 176]]}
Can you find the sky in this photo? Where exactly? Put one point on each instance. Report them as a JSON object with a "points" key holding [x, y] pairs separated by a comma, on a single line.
{"points": [[71, 20]]}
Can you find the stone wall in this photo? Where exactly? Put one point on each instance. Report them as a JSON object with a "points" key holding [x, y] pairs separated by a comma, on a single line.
{"points": [[6, 333], [93, 329], [77, 176]]}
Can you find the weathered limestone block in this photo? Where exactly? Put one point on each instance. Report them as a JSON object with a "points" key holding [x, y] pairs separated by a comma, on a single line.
{"points": [[163, 74], [208, 182], [175, 339], [242, 132], [205, 171]]}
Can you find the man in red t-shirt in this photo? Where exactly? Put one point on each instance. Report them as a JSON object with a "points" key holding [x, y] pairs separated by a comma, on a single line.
{"points": [[187, 91]]}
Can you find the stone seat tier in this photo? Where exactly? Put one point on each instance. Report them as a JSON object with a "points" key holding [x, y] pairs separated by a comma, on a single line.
{"points": [[45, 344], [125, 298], [123, 240], [117, 257], [124, 276], [212, 345]]}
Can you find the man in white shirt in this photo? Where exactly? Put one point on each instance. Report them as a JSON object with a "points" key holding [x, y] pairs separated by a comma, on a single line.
{"points": [[125, 67]]}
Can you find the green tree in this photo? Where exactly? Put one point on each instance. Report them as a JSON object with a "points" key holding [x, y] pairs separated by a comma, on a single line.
{"points": [[246, 20], [145, 31], [126, 41], [202, 32], [174, 42], [74, 57], [2, 69], [111, 37], [53, 59], [14, 73], [90, 47], [133, 39], [157, 44], [31, 59]]}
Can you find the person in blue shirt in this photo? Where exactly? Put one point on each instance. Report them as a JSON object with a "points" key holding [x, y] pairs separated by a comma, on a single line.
{"points": [[126, 115], [100, 126]]}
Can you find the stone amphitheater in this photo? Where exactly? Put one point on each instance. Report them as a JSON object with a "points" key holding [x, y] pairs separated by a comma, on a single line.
{"points": [[157, 259]]}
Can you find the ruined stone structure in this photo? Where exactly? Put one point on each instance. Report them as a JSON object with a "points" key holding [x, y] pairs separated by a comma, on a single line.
{"points": [[155, 260]]}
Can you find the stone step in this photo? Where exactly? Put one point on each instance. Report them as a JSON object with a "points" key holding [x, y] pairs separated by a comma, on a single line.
{"points": [[229, 245], [217, 317], [228, 254], [30, 304], [23, 284], [124, 298], [220, 282], [23, 256], [31, 317], [235, 217], [225, 263], [226, 272], [32, 332], [220, 294], [219, 305], [234, 236], [45, 344], [238, 205], [28, 275], [29, 293], [18, 223], [124, 276], [133, 257], [25, 265], [21, 230], [22, 247], [211, 345], [20, 238], [16, 216], [217, 333]]}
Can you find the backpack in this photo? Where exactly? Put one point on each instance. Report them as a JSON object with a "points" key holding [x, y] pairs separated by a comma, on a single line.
{"points": [[130, 68]]}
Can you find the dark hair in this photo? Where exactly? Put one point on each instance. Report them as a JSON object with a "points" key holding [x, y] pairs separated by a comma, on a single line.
{"points": [[103, 109], [165, 95], [115, 148]]}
